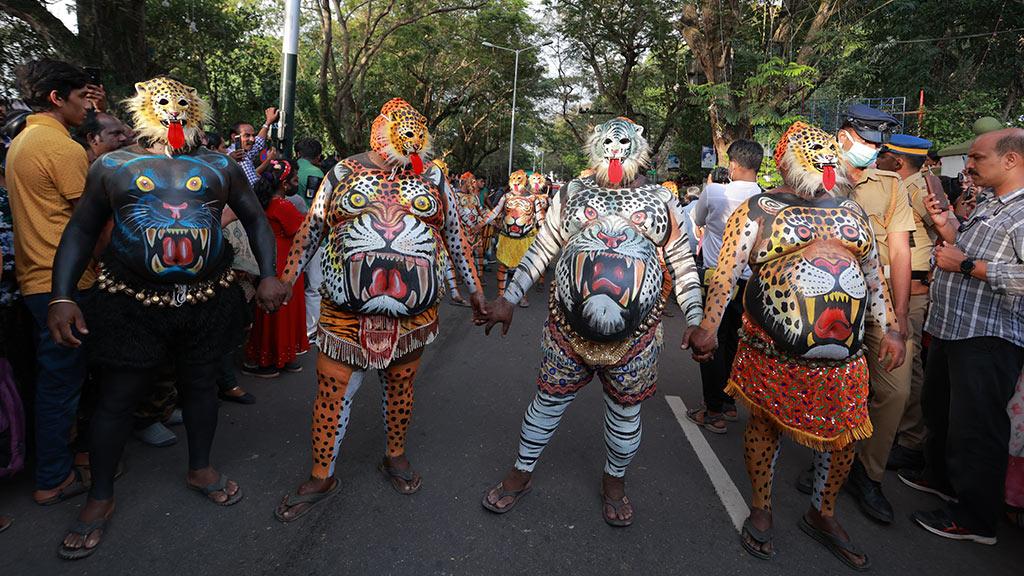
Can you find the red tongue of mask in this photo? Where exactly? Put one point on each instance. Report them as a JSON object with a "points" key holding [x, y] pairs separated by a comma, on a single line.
{"points": [[417, 163], [828, 178], [175, 135], [615, 171]]}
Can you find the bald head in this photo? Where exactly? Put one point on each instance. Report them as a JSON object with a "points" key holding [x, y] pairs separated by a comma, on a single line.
{"points": [[996, 160]]}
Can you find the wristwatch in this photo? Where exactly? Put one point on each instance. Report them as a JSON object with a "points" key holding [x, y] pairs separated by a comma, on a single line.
{"points": [[967, 266]]}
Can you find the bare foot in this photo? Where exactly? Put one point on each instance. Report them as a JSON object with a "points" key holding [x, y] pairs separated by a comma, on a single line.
{"points": [[207, 476], [92, 511], [830, 525], [514, 481]]}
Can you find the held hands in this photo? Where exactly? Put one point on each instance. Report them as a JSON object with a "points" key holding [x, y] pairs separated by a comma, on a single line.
{"points": [[701, 342], [272, 115], [893, 350], [272, 293], [948, 257], [499, 311], [476, 300], [61, 317]]}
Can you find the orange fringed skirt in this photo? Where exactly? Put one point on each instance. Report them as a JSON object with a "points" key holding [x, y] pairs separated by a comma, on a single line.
{"points": [[820, 404]]}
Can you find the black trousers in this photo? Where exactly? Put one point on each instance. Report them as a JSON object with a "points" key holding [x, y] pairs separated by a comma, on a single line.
{"points": [[714, 374], [967, 385]]}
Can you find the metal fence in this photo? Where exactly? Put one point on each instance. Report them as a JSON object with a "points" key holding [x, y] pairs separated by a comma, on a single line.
{"points": [[827, 114]]}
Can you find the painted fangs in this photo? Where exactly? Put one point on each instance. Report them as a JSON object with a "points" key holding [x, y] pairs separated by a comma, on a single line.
{"points": [[155, 264], [204, 237], [151, 235]]}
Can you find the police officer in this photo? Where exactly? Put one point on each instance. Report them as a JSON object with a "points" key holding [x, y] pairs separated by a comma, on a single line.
{"points": [[906, 155], [882, 196]]}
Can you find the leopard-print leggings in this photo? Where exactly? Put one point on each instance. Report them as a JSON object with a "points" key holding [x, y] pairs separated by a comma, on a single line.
{"points": [[761, 450], [337, 386]]}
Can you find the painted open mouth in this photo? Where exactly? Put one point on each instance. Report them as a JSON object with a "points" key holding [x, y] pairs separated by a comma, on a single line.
{"points": [[608, 273], [176, 249], [405, 279], [834, 314], [183, 122]]}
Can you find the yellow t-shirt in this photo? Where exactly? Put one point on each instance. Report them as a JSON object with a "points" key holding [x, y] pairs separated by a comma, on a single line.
{"points": [[45, 171], [874, 192]]}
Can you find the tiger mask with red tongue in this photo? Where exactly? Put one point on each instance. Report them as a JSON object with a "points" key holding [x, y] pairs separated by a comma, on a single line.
{"points": [[808, 160], [399, 134], [617, 150], [168, 112]]}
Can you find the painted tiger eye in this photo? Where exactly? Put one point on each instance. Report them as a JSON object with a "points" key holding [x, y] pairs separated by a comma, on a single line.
{"points": [[144, 183], [357, 200], [194, 183], [421, 203]]}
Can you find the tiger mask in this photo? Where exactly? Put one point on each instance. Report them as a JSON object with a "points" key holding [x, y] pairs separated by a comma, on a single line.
{"points": [[538, 183], [166, 111], [617, 150], [517, 182], [808, 159], [399, 134]]}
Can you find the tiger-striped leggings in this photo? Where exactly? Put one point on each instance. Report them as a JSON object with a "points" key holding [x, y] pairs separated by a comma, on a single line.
{"points": [[761, 451], [337, 386], [621, 431]]}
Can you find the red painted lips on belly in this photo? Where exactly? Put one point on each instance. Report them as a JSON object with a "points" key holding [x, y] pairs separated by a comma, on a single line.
{"points": [[832, 324], [177, 251]]}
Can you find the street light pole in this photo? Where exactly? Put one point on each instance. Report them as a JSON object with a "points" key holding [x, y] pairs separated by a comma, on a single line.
{"points": [[515, 83], [289, 54]]}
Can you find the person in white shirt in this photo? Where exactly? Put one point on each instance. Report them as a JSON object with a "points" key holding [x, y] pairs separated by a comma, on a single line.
{"points": [[712, 211]]}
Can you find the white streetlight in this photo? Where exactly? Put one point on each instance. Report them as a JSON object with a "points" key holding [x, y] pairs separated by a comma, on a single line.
{"points": [[515, 81]]}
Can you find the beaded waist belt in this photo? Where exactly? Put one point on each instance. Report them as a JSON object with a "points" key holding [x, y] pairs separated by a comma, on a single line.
{"points": [[601, 353], [176, 294], [768, 349]]}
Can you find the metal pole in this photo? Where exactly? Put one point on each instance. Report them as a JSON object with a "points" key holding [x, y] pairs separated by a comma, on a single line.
{"points": [[512, 129], [289, 52]]}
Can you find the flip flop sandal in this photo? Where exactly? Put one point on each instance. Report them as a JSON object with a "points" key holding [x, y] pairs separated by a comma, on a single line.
{"points": [[76, 488], [462, 303], [524, 303], [516, 496], [706, 421], [835, 545], [760, 537], [312, 499], [5, 522], [410, 477], [617, 506], [84, 529], [219, 486], [734, 417]]}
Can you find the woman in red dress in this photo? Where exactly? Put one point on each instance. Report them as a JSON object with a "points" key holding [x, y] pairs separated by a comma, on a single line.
{"points": [[276, 339]]}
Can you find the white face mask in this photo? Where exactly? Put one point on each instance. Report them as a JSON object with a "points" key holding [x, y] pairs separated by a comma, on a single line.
{"points": [[860, 155]]}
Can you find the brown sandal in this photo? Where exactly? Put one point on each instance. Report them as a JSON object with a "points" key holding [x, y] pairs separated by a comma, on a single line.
{"points": [[516, 496], [714, 423], [616, 506], [405, 482]]}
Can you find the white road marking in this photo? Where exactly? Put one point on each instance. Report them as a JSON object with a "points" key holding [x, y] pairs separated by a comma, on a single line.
{"points": [[726, 489]]}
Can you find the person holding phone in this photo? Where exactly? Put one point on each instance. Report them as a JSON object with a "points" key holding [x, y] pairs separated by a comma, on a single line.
{"points": [[247, 144]]}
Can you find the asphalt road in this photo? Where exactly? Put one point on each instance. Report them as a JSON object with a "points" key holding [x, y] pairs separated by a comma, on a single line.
{"points": [[471, 393]]}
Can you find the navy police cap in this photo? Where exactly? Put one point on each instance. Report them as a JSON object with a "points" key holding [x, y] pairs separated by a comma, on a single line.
{"points": [[909, 145], [872, 125]]}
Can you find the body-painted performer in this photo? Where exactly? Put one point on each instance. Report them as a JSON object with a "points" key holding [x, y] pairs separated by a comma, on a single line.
{"points": [[517, 228], [449, 272], [541, 202], [166, 289], [622, 253], [472, 213], [800, 365], [388, 225]]}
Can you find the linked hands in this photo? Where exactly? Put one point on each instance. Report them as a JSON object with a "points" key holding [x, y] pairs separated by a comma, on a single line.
{"points": [[272, 293], [701, 342], [498, 311]]}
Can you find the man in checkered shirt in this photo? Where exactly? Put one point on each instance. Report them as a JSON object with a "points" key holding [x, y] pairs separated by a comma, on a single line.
{"points": [[977, 324]]}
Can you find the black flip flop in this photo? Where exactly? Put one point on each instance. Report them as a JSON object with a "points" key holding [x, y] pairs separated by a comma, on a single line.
{"points": [[245, 398], [835, 545], [409, 476], [83, 529], [761, 537], [219, 486], [312, 499], [516, 495]]}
